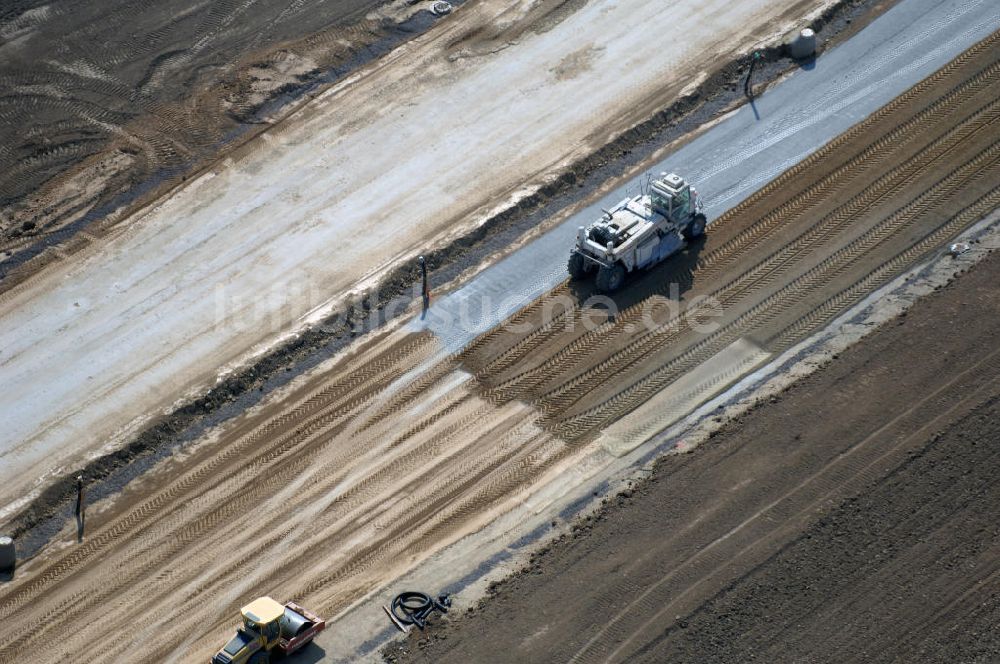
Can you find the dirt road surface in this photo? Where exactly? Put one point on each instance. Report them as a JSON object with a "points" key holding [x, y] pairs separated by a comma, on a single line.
{"points": [[414, 148], [855, 519], [377, 460]]}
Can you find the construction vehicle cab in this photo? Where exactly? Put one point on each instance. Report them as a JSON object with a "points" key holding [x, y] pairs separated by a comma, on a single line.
{"points": [[637, 233], [672, 197], [269, 627]]}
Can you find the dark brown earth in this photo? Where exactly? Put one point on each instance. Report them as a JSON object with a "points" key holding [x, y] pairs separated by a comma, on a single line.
{"points": [[854, 519]]}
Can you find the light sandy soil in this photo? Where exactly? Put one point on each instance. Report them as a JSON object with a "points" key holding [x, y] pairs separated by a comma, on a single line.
{"points": [[379, 459], [415, 148]]}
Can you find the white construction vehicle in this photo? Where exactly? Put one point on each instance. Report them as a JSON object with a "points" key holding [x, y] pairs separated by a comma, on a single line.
{"points": [[638, 233]]}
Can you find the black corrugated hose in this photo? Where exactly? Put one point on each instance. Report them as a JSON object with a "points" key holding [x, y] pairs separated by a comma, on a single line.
{"points": [[413, 608]]}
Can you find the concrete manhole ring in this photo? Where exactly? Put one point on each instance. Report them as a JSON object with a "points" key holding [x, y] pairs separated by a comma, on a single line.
{"points": [[958, 249], [441, 8]]}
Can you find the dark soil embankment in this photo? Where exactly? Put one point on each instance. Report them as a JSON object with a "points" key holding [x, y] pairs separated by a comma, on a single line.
{"points": [[106, 104]]}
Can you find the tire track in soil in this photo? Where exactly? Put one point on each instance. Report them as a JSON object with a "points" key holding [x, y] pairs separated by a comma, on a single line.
{"points": [[470, 472], [776, 265], [563, 395], [527, 382], [323, 407], [629, 398], [559, 399]]}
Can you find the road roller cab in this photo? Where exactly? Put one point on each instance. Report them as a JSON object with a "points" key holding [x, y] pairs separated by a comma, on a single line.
{"points": [[269, 627]]}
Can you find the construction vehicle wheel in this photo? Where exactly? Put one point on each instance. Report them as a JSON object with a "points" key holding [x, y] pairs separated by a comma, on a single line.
{"points": [[577, 266], [260, 657], [610, 279], [696, 228]]}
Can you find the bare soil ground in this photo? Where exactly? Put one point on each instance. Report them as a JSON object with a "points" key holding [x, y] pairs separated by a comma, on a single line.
{"points": [[381, 458], [854, 519], [127, 458]]}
